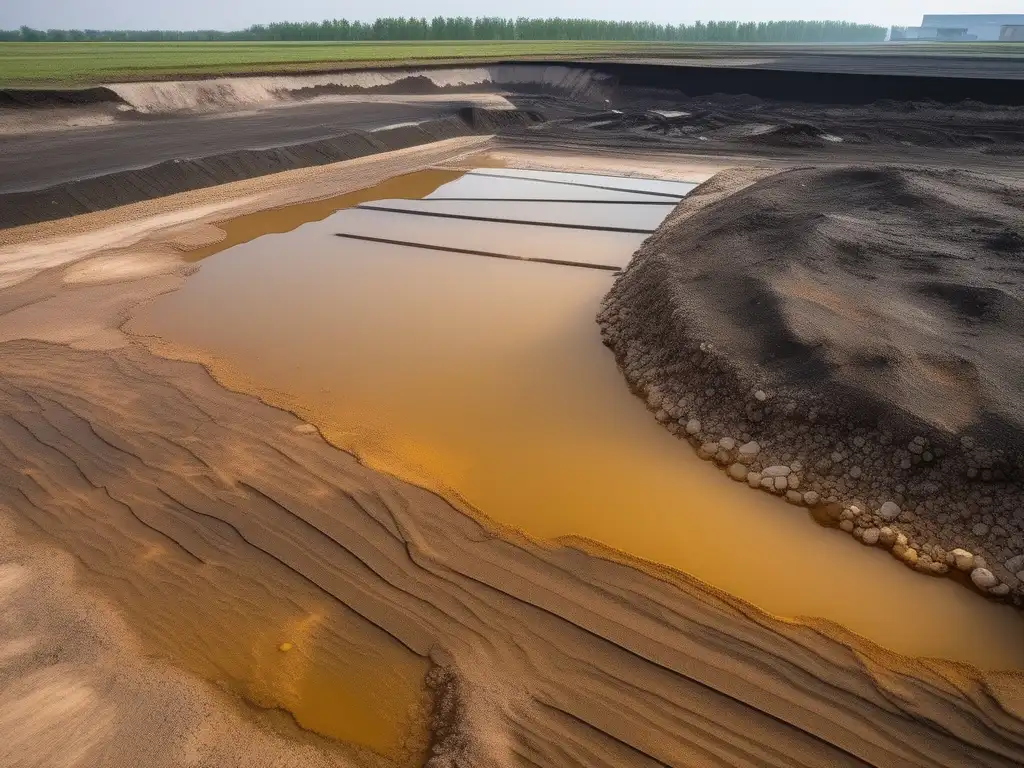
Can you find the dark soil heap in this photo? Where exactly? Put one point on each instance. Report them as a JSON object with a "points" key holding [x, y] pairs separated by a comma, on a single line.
{"points": [[852, 338]]}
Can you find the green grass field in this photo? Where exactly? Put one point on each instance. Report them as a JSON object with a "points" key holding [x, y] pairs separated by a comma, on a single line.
{"points": [[77, 64], [41, 64]]}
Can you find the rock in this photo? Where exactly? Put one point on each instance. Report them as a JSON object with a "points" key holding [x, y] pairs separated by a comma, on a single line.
{"points": [[767, 483], [727, 444], [781, 484], [723, 458], [754, 479], [855, 472], [962, 559], [910, 556], [1000, 590], [983, 578], [738, 472], [760, 396], [749, 452], [811, 498], [693, 427], [871, 536], [887, 536], [889, 511], [980, 529], [795, 497], [846, 525], [708, 451], [1015, 564], [777, 470], [305, 429], [793, 480], [1020, 576]]}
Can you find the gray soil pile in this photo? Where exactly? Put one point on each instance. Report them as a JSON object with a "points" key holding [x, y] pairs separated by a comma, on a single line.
{"points": [[848, 338]]}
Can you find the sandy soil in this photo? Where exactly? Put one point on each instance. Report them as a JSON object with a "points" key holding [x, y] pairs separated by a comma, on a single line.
{"points": [[194, 509]]}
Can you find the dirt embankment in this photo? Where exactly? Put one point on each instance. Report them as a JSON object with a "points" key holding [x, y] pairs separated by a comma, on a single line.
{"points": [[848, 338], [173, 176]]}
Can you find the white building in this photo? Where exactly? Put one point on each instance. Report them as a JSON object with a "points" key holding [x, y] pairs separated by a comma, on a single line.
{"points": [[982, 27]]}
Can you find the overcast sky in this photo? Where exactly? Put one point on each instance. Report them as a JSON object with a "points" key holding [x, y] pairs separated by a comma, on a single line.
{"points": [[235, 14]]}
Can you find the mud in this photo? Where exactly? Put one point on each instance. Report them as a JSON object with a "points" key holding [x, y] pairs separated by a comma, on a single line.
{"points": [[857, 328]]}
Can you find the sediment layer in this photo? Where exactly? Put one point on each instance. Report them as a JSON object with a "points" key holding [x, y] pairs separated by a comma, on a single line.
{"points": [[847, 338], [181, 175]]}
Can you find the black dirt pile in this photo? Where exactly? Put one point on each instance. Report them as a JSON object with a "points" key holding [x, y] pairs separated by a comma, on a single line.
{"points": [[851, 338], [738, 121]]}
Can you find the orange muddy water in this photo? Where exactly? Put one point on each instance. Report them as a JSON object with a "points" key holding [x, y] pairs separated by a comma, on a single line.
{"points": [[486, 380]]}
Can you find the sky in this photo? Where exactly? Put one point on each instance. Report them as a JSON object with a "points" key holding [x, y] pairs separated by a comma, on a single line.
{"points": [[236, 14]]}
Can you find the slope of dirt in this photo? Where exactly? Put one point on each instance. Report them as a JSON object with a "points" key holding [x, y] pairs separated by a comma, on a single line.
{"points": [[173, 176], [859, 328]]}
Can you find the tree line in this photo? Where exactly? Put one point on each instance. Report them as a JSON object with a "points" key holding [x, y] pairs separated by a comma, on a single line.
{"points": [[486, 28]]}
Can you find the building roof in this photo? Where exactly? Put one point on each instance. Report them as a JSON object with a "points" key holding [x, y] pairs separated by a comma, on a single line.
{"points": [[972, 19]]}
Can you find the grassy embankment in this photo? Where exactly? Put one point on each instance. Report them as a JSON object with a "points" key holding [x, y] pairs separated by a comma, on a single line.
{"points": [[78, 64]]}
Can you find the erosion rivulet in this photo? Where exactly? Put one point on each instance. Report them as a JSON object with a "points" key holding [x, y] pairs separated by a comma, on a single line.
{"points": [[848, 338]]}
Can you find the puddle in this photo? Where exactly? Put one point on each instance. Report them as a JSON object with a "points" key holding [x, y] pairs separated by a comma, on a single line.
{"points": [[285, 219], [487, 379], [485, 185], [634, 215]]}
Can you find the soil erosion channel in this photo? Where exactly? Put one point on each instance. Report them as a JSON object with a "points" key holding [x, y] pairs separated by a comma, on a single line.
{"points": [[485, 379]]}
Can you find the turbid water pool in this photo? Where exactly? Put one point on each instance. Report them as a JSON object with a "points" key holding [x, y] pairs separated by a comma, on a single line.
{"points": [[486, 380]]}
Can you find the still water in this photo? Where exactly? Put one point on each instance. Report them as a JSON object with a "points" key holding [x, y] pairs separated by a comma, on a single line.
{"points": [[486, 380]]}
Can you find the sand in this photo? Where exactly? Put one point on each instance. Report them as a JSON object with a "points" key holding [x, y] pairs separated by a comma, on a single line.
{"points": [[219, 526], [875, 312]]}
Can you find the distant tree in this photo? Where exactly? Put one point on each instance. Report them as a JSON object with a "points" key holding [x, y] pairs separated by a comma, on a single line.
{"points": [[491, 28]]}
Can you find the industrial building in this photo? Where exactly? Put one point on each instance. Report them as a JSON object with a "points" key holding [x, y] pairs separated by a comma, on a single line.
{"points": [[981, 27]]}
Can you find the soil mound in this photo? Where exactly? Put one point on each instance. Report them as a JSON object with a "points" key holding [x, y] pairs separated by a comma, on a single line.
{"points": [[864, 324], [794, 135]]}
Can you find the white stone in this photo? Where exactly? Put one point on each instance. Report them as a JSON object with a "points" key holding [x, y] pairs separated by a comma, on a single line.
{"points": [[964, 560], [754, 479], [889, 511], [776, 470], [847, 525], [811, 498], [794, 480], [983, 578], [871, 536], [760, 396], [738, 472], [750, 449], [781, 483], [692, 427], [727, 443]]}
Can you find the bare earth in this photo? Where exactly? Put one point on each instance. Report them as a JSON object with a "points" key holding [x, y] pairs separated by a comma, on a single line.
{"points": [[193, 510]]}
